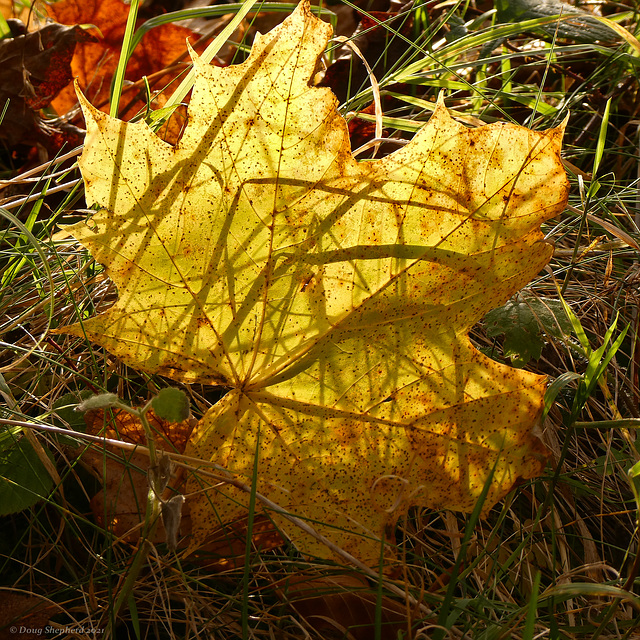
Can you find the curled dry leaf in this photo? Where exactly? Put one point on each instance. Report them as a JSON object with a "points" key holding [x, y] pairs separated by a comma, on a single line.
{"points": [[331, 298]]}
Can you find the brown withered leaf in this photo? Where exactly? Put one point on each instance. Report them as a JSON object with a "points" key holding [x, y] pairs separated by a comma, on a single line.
{"points": [[22, 615], [224, 547], [342, 606], [361, 131], [120, 505], [34, 68]]}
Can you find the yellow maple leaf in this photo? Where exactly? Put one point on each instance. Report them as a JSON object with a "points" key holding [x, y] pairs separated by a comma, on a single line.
{"points": [[332, 298]]}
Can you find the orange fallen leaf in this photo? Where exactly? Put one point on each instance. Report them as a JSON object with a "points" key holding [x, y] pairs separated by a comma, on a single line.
{"points": [[94, 63], [120, 505], [170, 436]]}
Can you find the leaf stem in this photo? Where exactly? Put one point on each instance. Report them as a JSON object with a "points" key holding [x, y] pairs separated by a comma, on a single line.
{"points": [[151, 518]]}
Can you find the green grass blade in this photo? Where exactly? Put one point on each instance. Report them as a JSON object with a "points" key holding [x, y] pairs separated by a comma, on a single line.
{"points": [[125, 53], [213, 12], [602, 139], [555, 387], [528, 632], [5, 31]]}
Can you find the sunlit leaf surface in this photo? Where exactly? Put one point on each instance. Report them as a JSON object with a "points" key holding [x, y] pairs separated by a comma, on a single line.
{"points": [[332, 298]]}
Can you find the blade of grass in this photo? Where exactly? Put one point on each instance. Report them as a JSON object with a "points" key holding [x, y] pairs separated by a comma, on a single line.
{"points": [[13, 268], [5, 31], [602, 140], [447, 603], [35, 243], [217, 11], [555, 387], [125, 52], [529, 625], [629, 38]]}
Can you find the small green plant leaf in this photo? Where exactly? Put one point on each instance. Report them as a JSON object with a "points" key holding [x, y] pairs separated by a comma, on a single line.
{"points": [[24, 480], [171, 404], [524, 323]]}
